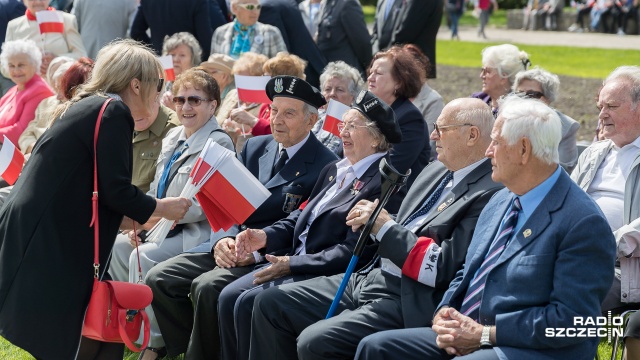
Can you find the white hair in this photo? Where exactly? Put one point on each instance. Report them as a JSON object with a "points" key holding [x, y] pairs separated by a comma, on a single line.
{"points": [[550, 83], [630, 74], [534, 120], [479, 116], [18, 47], [507, 59], [342, 70]]}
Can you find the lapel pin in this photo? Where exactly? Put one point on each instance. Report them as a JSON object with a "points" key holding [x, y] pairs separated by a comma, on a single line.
{"points": [[444, 205], [527, 233], [331, 178], [297, 173]]}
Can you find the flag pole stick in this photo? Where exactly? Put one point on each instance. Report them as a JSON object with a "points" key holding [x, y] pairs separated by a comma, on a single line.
{"points": [[392, 181]]}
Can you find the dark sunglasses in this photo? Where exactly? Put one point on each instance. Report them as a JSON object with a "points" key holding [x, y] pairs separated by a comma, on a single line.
{"points": [[192, 100], [531, 94], [160, 84], [250, 7]]}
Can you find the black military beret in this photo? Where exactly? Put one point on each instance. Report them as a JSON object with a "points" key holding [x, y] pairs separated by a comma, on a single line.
{"points": [[380, 113], [296, 88]]}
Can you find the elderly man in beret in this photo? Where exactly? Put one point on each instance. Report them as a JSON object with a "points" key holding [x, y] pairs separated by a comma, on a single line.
{"points": [[186, 288], [420, 252], [314, 240]]}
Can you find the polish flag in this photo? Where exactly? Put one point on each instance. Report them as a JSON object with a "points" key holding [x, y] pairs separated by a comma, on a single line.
{"points": [[11, 161], [167, 65], [230, 193], [50, 21], [335, 112], [252, 89]]}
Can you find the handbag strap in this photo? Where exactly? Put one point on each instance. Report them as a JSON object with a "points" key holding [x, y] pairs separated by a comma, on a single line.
{"points": [[94, 203], [94, 199]]}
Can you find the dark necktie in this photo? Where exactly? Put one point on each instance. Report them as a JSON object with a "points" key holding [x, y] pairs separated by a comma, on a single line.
{"points": [[281, 161], [432, 199], [162, 184], [473, 297]]}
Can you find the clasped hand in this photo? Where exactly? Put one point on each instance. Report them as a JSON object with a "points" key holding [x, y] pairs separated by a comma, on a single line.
{"points": [[457, 334]]}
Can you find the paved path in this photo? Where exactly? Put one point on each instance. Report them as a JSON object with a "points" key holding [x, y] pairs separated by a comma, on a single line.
{"points": [[562, 38]]}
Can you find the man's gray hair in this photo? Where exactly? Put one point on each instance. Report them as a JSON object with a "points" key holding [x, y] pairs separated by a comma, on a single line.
{"points": [[534, 120], [308, 110], [549, 82], [628, 73], [19, 47], [481, 117], [342, 70]]}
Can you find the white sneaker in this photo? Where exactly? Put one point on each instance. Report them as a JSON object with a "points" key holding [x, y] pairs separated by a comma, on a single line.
{"points": [[620, 32], [573, 28]]}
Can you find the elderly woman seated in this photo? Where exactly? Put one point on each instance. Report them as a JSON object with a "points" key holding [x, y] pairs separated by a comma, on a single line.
{"points": [[500, 64], [342, 83], [185, 52], [196, 96], [246, 34], [540, 84], [21, 59]]}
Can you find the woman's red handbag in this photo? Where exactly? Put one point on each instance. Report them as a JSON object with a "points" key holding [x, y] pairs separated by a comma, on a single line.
{"points": [[116, 309]]}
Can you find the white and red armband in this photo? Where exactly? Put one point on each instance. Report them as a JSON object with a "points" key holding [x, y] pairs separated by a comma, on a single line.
{"points": [[422, 262]]}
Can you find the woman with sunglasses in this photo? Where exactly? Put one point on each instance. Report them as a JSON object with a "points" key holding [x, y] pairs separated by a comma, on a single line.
{"points": [[540, 84], [500, 64], [46, 243], [196, 96], [245, 33]]}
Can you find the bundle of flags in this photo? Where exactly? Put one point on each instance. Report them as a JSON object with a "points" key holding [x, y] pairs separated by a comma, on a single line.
{"points": [[335, 112], [252, 89], [227, 192], [167, 65], [11, 161], [50, 21]]}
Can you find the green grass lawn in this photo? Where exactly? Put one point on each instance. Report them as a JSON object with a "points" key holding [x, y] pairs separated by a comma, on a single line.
{"points": [[498, 19], [561, 60]]}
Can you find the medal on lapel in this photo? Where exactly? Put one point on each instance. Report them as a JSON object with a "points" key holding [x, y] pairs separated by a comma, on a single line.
{"points": [[357, 186], [445, 204]]}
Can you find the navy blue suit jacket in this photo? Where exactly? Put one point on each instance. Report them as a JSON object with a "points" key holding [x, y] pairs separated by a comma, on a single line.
{"points": [[167, 17], [330, 243], [559, 266], [285, 15]]}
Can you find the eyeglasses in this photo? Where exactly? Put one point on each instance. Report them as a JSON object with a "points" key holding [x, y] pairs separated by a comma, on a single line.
{"points": [[192, 100], [531, 94], [160, 84], [250, 7], [348, 127], [439, 128]]}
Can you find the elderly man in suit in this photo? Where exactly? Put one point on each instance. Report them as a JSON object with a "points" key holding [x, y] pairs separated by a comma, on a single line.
{"points": [[433, 230], [408, 22], [542, 255], [186, 288]]}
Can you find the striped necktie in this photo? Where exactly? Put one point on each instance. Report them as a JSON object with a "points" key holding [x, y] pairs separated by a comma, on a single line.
{"points": [[471, 303], [432, 199]]}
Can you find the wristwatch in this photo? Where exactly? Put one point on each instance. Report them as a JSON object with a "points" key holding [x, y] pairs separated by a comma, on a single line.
{"points": [[484, 339]]}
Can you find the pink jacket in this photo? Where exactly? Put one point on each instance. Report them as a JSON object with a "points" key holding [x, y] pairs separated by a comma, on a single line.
{"points": [[18, 108]]}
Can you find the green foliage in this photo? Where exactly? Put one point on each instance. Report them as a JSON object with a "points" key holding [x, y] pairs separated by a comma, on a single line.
{"points": [[561, 60]]}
